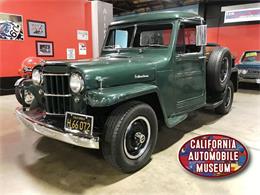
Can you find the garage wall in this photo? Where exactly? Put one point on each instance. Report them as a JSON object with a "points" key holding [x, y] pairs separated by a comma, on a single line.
{"points": [[63, 19], [239, 36], [102, 16]]}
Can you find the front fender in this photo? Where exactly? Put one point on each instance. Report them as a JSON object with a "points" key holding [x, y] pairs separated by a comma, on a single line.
{"points": [[114, 95], [19, 81]]}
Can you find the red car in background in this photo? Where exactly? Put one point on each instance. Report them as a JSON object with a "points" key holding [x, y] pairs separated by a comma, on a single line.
{"points": [[22, 85]]}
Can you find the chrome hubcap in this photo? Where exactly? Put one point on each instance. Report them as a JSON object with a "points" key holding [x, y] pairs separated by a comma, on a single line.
{"points": [[140, 138], [28, 96], [137, 137]]}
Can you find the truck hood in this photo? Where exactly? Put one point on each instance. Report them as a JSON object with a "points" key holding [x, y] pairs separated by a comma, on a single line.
{"points": [[117, 70]]}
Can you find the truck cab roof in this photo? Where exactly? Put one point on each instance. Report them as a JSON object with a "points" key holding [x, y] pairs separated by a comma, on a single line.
{"points": [[155, 16]]}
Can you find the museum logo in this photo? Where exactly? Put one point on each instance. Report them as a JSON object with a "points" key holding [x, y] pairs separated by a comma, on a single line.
{"points": [[213, 155]]}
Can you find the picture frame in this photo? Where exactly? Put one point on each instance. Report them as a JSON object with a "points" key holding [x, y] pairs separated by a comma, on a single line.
{"points": [[11, 27], [44, 48], [36, 29]]}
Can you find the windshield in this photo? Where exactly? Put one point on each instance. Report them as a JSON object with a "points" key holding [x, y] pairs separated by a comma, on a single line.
{"points": [[252, 56], [146, 36]]}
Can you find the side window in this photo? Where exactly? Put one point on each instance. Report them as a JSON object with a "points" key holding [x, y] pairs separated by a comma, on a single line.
{"points": [[119, 38], [186, 40], [153, 35]]}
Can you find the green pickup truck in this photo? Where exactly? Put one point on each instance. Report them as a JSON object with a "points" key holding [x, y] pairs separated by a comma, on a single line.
{"points": [[153, 67]]}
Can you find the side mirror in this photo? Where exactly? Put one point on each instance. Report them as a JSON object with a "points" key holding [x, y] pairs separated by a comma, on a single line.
{"points": [[201, 35]]}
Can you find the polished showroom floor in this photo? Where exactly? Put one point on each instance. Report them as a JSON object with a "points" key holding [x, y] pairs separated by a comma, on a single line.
{"points": [[32, 164]]}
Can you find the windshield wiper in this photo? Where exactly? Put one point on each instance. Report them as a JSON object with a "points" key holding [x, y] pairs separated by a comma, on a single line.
{"points": [[154, 45]]}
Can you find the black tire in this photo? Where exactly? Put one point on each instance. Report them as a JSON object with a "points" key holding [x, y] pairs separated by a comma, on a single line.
{"points": [[118, 135], [219, 69], [18, 95], [225, 107]]}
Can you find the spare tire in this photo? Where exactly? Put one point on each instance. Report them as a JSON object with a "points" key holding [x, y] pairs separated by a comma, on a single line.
{"points": [[218, 69]]}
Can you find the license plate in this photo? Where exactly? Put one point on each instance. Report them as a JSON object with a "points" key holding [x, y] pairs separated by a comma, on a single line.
{"points": [[258, 81], [78, 123]]}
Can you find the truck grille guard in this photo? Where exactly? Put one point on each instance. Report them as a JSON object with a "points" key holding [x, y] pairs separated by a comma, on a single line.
{"points": [[57, 93]]}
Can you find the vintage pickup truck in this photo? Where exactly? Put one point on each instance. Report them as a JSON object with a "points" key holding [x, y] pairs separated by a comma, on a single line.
{"points": [[153, 67]]}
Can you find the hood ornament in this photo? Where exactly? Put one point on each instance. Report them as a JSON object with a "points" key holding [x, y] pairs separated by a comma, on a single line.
{"points": [[100, 80]]}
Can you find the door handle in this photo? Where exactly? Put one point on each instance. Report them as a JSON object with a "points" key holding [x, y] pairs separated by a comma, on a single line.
{"points": [[202, 57]]}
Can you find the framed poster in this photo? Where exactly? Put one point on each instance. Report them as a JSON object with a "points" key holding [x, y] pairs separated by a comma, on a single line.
{"points": [[36, 29], [11, 27], [44, 48], [82, 49], [82, 35], [242, 15], [71, 54]]}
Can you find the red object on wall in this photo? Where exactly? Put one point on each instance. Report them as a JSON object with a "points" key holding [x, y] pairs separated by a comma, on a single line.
{"points": [[238, 38], [63, 19]]}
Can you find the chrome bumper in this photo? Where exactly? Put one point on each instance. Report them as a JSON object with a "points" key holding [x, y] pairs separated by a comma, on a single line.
{"points": [[32, 121], [247, 80]]}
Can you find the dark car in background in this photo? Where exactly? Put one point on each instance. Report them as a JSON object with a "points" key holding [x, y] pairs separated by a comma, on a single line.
{"points": [[249, 67]]}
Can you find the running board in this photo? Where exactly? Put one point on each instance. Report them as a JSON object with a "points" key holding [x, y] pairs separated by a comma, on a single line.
{"points": [[213, 105], [175, 120]]}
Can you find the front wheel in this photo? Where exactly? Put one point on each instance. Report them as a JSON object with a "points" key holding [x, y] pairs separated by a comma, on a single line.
{"points": [[28, 96], [130, 136], [225, 107]]}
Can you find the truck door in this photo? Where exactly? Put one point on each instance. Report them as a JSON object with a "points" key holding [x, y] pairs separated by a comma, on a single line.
{"points": [[189, 68]]}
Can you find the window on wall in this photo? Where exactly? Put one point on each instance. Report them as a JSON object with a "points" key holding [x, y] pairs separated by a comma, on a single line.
{"points": [[186, 41]]}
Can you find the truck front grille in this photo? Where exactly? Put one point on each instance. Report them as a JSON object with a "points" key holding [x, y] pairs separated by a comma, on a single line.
{"points": [[57, 93]]}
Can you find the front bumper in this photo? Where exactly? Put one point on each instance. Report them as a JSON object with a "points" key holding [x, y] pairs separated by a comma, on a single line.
{"points": [[34, 122], [249, 80]]}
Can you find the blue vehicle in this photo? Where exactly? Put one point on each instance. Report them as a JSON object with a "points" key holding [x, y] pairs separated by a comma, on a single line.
{"points": [[249, 67]]}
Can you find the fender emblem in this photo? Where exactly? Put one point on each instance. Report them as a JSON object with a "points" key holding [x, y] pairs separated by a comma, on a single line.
{"points": [[138, 76]]}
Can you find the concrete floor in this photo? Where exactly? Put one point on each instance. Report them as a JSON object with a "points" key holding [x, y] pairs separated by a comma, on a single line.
{"points": [[32, 164]]}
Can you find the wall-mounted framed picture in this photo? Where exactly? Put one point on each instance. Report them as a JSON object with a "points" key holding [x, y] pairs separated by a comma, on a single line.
{"points": [[44, 48], [11, 27], [36, 29]]}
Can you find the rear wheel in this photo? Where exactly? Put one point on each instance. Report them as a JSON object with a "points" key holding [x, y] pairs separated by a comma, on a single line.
{"points": [[130, 136], [225, 107]]}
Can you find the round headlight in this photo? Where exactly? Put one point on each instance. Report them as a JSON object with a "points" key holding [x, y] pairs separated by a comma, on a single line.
{"points": [[36, 77], [76, 83]]}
